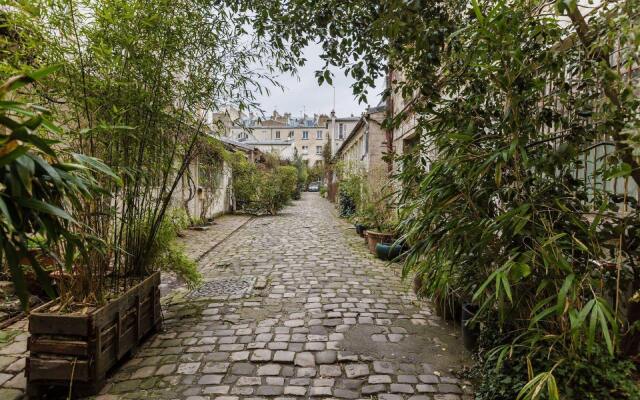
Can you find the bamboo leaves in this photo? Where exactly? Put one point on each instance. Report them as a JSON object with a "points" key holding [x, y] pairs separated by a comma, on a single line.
{"points": [[534, 389], [596, 315], [36, 192]]}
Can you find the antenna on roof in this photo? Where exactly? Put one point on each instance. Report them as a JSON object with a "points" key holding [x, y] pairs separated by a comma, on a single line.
{"points": [[334, 99]]}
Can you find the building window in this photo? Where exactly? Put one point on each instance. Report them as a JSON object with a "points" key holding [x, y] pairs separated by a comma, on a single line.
{"points": [[305, 135], [341, 131], [277, 134], [243, 136], [318, 150], [290, 134], [319, 135], [305, 149]]}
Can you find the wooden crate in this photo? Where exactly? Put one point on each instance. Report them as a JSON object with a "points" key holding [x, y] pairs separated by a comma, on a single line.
{"points": [[79, 350]]}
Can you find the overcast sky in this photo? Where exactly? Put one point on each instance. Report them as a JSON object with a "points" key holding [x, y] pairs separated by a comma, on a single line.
{"points": [[302, 93]]}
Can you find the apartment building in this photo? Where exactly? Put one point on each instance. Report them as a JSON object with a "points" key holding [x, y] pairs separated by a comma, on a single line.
{"points": [[340, 127], [363, 148], [287, 135]]}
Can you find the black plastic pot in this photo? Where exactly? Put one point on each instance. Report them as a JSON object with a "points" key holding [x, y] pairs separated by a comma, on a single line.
{"points": [[388, 251], [448, 307], [470, 332], [360, 229]]}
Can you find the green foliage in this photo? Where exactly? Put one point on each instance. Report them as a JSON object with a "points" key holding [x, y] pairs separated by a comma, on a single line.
{"points": [[323, 191], [366, 198], [508, 199], [302, 175], [351, 194], [590, 377], [315, 173], [133, 74], [41, 186], [168, 254], [211, 156], [288, 179], [265, 190]]}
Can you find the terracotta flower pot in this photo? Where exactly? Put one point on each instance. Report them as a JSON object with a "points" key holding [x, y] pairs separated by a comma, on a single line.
{"points": [[373, 238]]}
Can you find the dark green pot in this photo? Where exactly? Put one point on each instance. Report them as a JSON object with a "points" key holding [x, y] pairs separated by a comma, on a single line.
{"points": [[388, 251]]}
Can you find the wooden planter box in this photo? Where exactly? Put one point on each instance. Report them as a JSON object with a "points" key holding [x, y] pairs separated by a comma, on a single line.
{"points": [[78, 350]]}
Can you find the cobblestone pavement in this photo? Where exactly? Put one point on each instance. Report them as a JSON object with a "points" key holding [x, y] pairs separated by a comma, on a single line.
{"points": [[13, 352], [323, 319], [13, 346], [198, 242]]}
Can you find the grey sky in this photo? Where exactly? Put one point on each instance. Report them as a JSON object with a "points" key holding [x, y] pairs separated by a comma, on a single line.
{"points": [[302, 93]]}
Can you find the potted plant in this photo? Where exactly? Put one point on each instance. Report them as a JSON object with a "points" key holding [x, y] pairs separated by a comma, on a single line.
{"points": [[383, 230], [360, 224]]}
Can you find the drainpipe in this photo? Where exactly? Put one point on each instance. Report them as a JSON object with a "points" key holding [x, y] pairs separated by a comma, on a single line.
{"points": [[333, 132], [389, 130], [366, 141]]}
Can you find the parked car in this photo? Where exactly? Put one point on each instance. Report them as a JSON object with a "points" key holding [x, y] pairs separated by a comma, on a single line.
{"points": [[314, 187]]}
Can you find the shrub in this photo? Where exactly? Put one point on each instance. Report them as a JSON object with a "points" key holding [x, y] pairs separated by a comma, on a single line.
{"points": [[263, 191], [346, 203], [167, 253], [598, 376], [351, 194], [323, 191], [287, 178], [244, 175]]}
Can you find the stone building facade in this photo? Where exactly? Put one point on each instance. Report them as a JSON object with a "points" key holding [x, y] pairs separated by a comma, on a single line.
{"points": [[286, 135], [363, 149]]}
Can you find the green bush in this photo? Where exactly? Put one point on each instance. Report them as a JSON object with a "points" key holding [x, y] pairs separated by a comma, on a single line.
{"points": [[167, 253], [598, 376], [263, 191], [287, 178], [351, 194], [245, 179], [346, 203]]}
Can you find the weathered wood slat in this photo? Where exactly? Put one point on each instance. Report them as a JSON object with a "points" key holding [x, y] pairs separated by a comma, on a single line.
{"points": [[99, 339], [53, 346], [59, 324], [50, 369]]}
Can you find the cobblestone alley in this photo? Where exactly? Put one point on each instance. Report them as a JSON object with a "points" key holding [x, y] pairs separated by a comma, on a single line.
{"points": [[294, 306]]}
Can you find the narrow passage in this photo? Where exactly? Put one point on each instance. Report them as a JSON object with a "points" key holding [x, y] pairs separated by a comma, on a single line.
{"points": [[294, 306]]}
